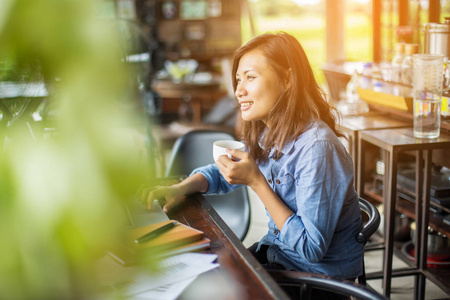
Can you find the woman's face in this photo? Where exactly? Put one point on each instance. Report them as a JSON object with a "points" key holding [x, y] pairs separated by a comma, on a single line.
{"points": [[258, 87]]}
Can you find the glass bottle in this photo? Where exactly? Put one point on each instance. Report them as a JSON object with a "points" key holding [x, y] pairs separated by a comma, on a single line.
{"points": [[186, 111], [350, 89], [397, 61], [352, 104], [445, 104], [365, 80], [407, 64]]}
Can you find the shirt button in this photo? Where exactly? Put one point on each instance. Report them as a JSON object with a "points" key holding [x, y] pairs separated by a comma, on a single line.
{"points": [[270, 180], [275, 232], [277, 181]]}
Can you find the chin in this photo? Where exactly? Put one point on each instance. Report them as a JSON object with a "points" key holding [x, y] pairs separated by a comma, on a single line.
{"points": [[251, 117], [247, 118]]}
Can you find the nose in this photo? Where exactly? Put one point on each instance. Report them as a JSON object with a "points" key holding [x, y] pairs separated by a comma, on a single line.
{"points": [[240, 90]]}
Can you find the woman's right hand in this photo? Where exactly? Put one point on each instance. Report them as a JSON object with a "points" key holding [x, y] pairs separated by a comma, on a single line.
{"points": [[171, 194]]}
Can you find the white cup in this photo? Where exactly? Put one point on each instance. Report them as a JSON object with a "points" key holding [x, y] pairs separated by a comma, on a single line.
{"points": [[220, 148]]}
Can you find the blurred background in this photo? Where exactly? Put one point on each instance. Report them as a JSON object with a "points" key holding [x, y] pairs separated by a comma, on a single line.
{"points": [[93, 94]]}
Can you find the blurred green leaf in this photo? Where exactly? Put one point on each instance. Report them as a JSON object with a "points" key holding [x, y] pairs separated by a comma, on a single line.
{"points": [[61, 197]]}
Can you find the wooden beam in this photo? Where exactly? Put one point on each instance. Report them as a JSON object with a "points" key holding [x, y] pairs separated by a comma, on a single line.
{"points": [[335, 31], [434, 11], [376, 27], [403, 14]]}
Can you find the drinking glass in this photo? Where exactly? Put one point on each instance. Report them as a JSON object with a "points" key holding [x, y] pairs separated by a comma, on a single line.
{"points": [[428, 71]]}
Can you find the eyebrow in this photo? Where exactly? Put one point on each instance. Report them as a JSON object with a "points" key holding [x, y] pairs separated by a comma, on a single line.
{"points": [[246, 71]]}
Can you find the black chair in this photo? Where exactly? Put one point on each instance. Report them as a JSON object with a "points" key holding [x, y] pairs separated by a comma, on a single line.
{"points": [[307, 281], [195, 149], [369, 228], [318, 286]]}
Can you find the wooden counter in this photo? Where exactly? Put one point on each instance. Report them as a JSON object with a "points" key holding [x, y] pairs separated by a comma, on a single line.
{"points": [[394, 143], [234, 258], [201, 95]]}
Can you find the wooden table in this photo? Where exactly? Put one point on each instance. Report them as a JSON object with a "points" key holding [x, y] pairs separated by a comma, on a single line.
{"points": [[239, 273], [235, 260], [394, 143], [352, 125], [201, 96]]}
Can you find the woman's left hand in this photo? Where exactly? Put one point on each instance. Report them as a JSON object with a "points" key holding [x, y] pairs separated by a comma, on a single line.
{"points": [[242, 169]]}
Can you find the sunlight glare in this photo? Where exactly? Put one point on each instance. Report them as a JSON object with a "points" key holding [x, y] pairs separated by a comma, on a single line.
{"points": [[306, 2], [362, 1]]}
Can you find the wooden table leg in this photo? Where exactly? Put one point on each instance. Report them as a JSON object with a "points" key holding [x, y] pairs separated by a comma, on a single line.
{"points": [[389, 208], [422, 214], [361, 167]]}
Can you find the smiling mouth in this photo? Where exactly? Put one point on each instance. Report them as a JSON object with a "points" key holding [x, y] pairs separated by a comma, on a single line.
{"points": [[246, 104]]}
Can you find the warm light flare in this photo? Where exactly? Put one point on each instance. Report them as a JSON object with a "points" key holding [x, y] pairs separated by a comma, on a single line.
{"points": [[362, 1], [306, 2]]}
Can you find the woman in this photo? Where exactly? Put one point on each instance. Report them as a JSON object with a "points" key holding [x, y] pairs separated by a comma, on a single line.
{"points": [[294, 162]]}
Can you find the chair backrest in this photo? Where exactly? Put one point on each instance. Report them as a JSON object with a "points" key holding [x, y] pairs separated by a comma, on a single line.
{"points": [[195, 149], [372, 224], [369, 228], [192, 150], [310, 285]]}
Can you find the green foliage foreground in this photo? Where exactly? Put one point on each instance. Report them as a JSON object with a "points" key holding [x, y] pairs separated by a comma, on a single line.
{"points": [[61, 197]]}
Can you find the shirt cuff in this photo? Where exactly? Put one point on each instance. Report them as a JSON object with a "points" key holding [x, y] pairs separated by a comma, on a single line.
{"points": [[211, 187], [284, 232]]}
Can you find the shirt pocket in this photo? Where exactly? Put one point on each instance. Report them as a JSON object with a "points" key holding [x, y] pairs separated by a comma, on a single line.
{"points": [[285, 187]]}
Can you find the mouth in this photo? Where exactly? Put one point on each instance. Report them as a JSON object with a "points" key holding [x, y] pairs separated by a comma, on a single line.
{"points": [[246, 104]]}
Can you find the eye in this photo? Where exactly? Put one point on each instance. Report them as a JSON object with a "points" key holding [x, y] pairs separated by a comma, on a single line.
{"points": [[251, 77], [238, 80]]}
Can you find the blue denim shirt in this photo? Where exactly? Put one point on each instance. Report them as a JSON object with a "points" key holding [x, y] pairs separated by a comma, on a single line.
{"points": [[314, 178]]}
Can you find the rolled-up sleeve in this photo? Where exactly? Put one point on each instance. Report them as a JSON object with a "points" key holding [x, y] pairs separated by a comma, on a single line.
{"points": [[217, 184]]}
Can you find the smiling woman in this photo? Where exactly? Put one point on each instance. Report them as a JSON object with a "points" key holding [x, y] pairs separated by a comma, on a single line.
{"points": [[293, 161]]}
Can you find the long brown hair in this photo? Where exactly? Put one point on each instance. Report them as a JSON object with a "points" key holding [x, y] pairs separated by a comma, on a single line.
{"points": [[301, 102]]}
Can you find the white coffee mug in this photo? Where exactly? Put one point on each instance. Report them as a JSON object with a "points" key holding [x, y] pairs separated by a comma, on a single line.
{"points": [[220, 148]]}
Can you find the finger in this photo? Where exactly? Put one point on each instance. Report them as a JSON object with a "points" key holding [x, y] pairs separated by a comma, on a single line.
{"points": [[143, 194], [237, 153], [223, 156], [169, 205], [149, 195], [149, 201], [225, 176], [222, 162], [167, 208], [224, 168]]}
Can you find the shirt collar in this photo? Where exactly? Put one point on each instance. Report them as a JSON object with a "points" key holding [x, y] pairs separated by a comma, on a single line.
{"points": [[287, 148]]}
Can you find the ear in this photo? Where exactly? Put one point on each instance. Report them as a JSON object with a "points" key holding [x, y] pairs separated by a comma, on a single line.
{"points": [[288, 79]]}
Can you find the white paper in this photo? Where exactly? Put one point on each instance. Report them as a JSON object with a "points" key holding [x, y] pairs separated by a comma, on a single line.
{"points": [[175, 274], [166, 292]]}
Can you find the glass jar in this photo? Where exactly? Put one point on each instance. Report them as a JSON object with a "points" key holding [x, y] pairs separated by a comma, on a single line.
{"points": [[407, 64], [352, 104], [397, 61]]}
